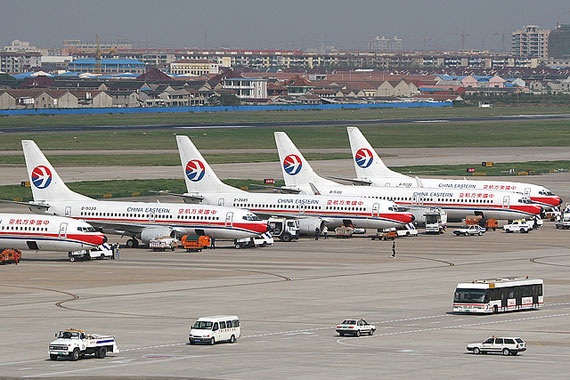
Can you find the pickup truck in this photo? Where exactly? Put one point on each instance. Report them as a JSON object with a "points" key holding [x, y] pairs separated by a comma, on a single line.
{"points": [[262, 240], [75, 344], [469, 230], [521, 226]]}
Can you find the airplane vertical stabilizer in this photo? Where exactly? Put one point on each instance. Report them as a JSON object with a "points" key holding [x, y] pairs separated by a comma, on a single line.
{"points": [[296, 170], [199, 176], [46, 184], [367, 162]]}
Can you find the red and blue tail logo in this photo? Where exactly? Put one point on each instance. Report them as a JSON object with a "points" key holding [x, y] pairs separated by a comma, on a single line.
{"points": [[292, 164], [195, 170], [41, 177], [363, 158]]}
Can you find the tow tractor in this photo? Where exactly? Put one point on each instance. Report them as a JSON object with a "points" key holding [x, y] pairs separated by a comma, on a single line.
{"points": [[75, 344]]}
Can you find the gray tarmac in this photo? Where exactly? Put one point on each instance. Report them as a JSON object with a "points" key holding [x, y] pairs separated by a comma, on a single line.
{"points": [[289, 298]]}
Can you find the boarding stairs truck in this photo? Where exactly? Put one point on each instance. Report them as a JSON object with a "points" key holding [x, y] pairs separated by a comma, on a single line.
{"points": [[75, 344], [436, 221]]}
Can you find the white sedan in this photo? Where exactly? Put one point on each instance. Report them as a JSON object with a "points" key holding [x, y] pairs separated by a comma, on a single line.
{"points": [[355, 327], [469, 230]]}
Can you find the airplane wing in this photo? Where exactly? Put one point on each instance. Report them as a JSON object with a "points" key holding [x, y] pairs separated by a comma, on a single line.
{"points": [[118, 227], [283, 189], [356, 181], [188, 198], [44, 206]]}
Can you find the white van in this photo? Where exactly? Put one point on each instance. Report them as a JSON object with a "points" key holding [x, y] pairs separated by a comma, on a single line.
{"points": [[218, 328]]}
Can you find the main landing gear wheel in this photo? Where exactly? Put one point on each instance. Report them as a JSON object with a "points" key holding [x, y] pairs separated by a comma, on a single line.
{"points": [[132, 243]]}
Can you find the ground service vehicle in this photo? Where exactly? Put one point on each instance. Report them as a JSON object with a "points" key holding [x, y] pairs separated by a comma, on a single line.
{"points": [[518, 226], [504, 345], [564, 222], [436, 221], [195, 243], [262, 240], [283, 228], [9, 255], [469, 230], [496, 295], [104, 251], [76, 344], [214, 329], [343, 232], [408, 230], [355, 327], [489, 224], [163, 244]]}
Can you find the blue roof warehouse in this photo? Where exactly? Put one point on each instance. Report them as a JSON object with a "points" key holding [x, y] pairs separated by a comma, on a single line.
{"points": [[89, 65]]}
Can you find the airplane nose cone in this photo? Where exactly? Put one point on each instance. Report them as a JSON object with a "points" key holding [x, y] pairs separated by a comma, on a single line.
{"points": [[413, 218], [559, 201], [105, 239]]}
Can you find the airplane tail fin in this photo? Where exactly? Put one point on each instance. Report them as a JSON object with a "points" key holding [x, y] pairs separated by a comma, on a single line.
{"points": [[46, 184], [367, 163], [199, 176], [296, 170]]}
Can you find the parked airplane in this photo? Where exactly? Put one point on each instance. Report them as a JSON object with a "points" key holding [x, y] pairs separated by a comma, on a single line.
{"points": [[458, 204], [47, 232], [311, 211], [370, 170], [139, 220]]}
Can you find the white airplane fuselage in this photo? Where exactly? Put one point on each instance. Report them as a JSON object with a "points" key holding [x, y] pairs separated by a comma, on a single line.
{"points": [[47, 232], [120, 217], [334, 210]]}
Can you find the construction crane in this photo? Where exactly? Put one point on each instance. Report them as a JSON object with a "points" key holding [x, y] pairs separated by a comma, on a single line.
{"points": [[97, 56], [463, 37], [502, 40], [424, 39]]}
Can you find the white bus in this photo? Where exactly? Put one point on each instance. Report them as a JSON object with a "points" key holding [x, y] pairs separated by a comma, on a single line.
{"points": [[496, 295]]}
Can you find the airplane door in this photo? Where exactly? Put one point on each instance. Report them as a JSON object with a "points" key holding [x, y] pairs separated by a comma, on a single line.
{"points": [[220, 201], [68, 211], [506, 201], [375, 209], [302, 208], [62, 230], [527, 192], [152, 217], [229, 219]]}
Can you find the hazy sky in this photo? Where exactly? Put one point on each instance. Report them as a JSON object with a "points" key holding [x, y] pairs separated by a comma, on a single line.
{"points": [[284, 24]]}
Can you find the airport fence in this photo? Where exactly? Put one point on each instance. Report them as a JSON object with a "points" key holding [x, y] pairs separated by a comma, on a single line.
{"points": [[135, 110]]}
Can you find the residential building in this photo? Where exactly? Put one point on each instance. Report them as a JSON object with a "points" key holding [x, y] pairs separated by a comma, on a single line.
{"points": [[90, 65], [73, 47], [531, 41], [20, 46], [195, 68], [19, 62], [247, 88], [385, 44], [559, 42]]}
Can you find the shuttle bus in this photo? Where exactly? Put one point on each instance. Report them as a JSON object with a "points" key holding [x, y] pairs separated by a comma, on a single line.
{"points": [[496, 295]]}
